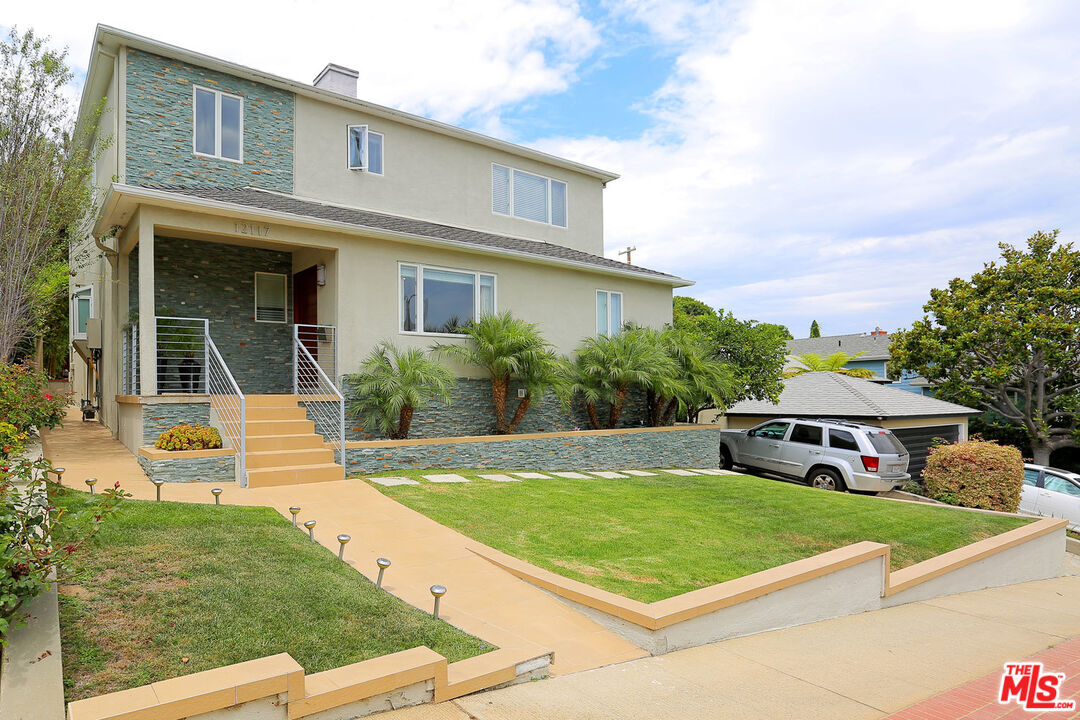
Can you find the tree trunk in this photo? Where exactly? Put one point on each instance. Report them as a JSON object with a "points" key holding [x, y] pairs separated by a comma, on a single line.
{"points": [[519, 412], [591, 409], [404, 423], [652, 407], [617, 407], [669, 413], [499, 388], [1040, 453]]}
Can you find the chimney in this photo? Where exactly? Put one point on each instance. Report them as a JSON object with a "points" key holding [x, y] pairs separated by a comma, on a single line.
{"points": [[879, 331], [338, 79]]}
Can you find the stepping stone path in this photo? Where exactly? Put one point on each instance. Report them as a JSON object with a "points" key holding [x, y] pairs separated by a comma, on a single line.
{"points": [[572, 475], [683, 473], [447, 478], [533, 476], [392, 481], [711, 471], [639, 473], [607, 474], [501, 478]]}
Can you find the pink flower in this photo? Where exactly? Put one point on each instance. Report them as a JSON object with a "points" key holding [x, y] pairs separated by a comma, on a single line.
{"points": [[48, 396]]}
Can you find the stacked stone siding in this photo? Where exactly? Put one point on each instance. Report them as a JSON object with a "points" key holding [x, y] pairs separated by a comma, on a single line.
{"points": [[160, 149], [470, 413], [211, 280], [689, 447], [159, 418], [182, 470]]}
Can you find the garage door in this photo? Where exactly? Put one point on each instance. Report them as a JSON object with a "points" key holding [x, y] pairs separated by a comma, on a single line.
{"points": [[918, 441]]}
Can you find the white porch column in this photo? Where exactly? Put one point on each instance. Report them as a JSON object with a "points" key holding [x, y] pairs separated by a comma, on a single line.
{"points": [[147, 322]]}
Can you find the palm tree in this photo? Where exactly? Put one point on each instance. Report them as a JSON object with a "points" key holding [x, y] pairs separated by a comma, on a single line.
{"points": [[813, 362], [392, 383], [508, 348], [700, 381], [606, 367]]}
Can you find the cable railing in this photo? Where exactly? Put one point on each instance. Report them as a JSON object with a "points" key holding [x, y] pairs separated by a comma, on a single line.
{"points": [[228, 406], [324, 403], [321, 343], [182, 355], [129, 360]]}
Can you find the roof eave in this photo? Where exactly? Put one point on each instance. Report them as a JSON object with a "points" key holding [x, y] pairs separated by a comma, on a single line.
{"points": [[118, 192], [110, 37]]}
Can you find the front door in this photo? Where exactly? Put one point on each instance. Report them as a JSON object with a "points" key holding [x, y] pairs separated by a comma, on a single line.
{"points": [[306, 307]]}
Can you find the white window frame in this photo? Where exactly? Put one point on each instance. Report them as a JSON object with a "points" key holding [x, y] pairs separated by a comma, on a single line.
{"points": [[510, 194], [622, 309], [217, 124], [420, 267], [255, 299], [75, 334], [368, 132]]}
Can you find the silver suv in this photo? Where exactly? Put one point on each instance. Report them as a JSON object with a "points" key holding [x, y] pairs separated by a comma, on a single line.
{"points": [[828, 454]]}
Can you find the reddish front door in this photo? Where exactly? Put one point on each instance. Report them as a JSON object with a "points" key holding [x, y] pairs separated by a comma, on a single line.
{"points": [[306, 307]]}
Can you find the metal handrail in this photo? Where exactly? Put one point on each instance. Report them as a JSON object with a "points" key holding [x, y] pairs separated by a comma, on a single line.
{"points": [[229, 404], [311, 381], [182, 359]]}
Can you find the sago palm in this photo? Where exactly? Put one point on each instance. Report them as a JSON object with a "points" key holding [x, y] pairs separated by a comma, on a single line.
{"points": [[508, 348], [392, 383], [813, 362]]}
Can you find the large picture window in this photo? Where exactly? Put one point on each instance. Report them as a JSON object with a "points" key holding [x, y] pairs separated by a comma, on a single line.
{"points": [[441, 300], [608, 312], [271, 297], [529, 196], [365, 149], [219, 124]]}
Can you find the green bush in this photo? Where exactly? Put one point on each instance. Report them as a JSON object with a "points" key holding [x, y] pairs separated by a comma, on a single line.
{"points": [[11, 440], [189, 437], [23, 400], [978, 474]]}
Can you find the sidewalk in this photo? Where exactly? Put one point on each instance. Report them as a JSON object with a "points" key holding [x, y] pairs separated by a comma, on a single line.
{"points": [[482, 600]]}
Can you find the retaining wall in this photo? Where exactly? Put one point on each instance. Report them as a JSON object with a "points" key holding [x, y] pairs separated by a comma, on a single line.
{"points": [[675, 446], [188, 465]]}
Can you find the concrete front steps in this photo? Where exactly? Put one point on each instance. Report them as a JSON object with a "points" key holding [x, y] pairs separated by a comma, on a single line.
{"points": [[282, 445]]}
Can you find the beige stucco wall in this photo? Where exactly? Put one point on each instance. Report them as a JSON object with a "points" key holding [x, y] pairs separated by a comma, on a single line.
{"points": [[431, 177]]}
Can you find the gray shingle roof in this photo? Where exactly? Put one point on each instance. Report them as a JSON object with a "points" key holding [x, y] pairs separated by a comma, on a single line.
{"points": [[826, 394], [263, 200], [876, 346]]}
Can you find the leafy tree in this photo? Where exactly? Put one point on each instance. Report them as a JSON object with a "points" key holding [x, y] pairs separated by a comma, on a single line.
{"points": [[814, 362], [508, 348], [700, 381], [392, 383], [815, 330], [44, 169], [1008, 340], [606, 367], [753, 352]]}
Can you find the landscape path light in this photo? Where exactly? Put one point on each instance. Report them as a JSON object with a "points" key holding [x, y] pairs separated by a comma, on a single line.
{"points": [[158, 482], [310, 525], [342, 538], [91, 482], [437, 591], [295, 510], [216, 492], [383, 563], [59, 475]]}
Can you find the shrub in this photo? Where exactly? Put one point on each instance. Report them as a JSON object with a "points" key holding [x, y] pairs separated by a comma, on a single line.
{"points": [[392, 383], [11, 440], [978, 474], [24, 402], [189, 437]]}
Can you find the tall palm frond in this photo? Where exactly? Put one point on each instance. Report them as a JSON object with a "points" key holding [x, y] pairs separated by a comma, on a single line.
{"points": [[392, 383], [814, 362]]}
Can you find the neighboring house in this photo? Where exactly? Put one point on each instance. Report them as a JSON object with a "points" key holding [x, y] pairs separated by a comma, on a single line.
{"points": [[915, 419], [258, 236], [875, 358]]}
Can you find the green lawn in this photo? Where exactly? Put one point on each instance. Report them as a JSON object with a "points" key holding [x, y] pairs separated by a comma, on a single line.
{"points": [[165, 582], [651, 538]]}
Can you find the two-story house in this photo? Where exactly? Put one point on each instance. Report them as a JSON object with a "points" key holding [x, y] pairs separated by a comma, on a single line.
{"points": [[873, 353], [257, 236]]}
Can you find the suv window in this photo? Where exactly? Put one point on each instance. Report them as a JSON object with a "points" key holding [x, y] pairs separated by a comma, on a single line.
{"points": [[886, 443], [842, 440], [806, 434], [772, 431], [1031, 477], [1060, 484]]}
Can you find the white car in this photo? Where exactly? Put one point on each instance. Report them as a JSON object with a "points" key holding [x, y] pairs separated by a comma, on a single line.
{"points": [[1051, 492]]}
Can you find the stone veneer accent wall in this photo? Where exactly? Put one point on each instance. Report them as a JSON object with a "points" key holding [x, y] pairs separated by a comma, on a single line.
{"points": [[470, 413], [160, 417], [183, 470], [160, 149], [216, 281], [682, 446]]}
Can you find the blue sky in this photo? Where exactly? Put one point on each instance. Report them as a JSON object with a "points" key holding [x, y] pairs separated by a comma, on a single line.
{"points": [[798, 159]]}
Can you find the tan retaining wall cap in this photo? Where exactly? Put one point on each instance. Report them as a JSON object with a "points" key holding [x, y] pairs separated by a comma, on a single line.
{"points": [[154, 453]]}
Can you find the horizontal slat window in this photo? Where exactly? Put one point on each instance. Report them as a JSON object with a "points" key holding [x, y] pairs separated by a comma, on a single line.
{"points": [[500, 189], [528, 196], [271, 304]]}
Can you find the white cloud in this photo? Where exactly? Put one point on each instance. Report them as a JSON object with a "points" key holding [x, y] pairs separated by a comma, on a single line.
{"points": [[841, 158], [449, 60]]}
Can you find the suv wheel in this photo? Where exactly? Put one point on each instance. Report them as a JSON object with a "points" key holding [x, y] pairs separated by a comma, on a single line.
{"points": [[826, 479], [725, 458]]}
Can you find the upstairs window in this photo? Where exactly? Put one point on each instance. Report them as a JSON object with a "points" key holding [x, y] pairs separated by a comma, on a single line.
{"points": [[270, 297], [442, 301], [82, 309], [219, 124], [608, 312], [529, 196], [365, 149]]}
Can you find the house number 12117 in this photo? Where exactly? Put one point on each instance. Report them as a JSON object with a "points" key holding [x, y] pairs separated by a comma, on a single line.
{"points": [[243, 228]]}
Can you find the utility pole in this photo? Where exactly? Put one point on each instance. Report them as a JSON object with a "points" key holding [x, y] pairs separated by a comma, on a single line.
{"points": [[627, 252]]}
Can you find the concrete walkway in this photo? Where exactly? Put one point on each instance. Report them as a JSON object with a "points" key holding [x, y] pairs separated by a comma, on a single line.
{"points": [[482, 600], [856, 667]]}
